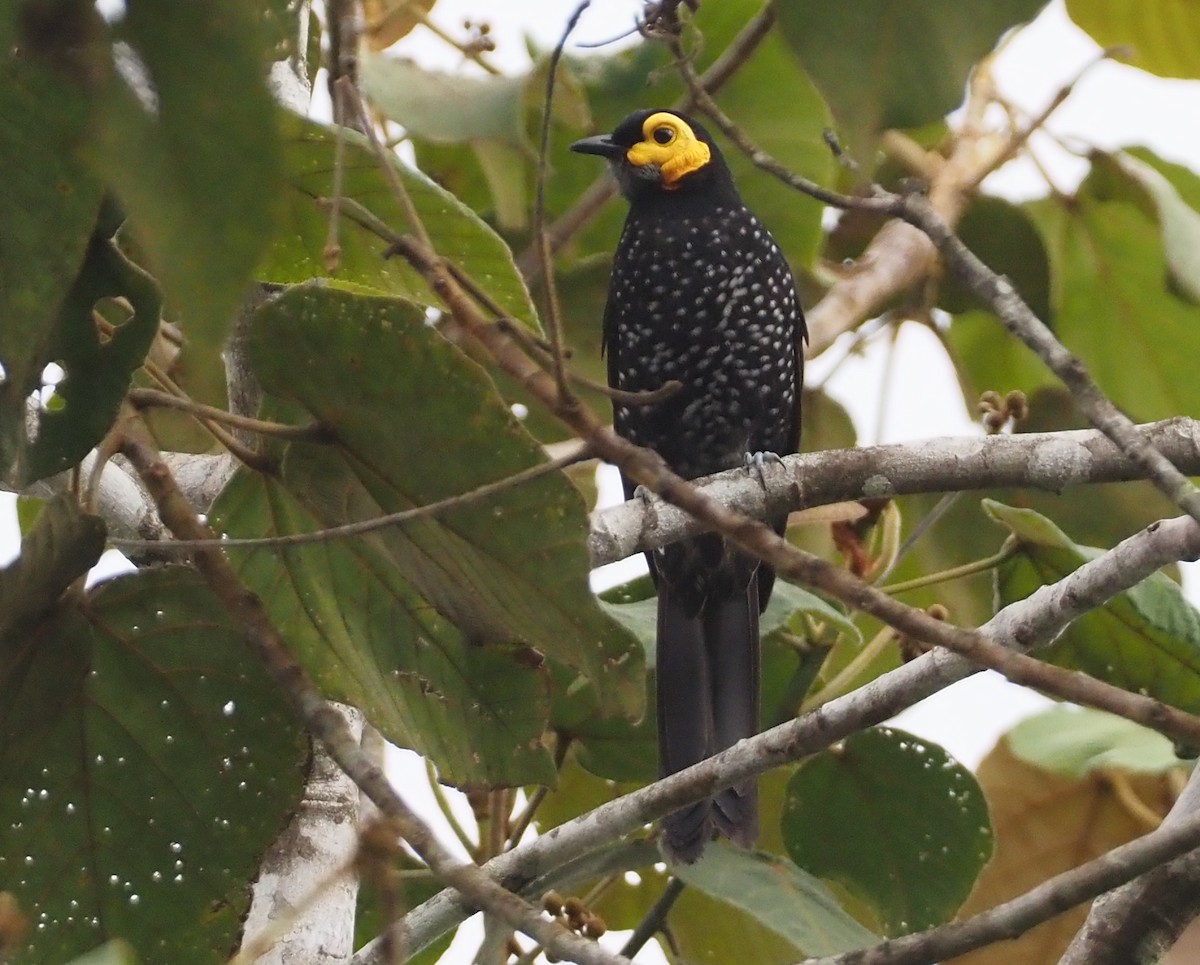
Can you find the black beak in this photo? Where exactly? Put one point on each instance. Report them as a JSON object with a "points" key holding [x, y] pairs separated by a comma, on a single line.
{"points": [[601, 144]]}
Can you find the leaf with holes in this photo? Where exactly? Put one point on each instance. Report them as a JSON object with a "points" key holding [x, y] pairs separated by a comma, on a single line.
{"points": [[48, 208], [97, 365], [895, 820], [146, 761]]}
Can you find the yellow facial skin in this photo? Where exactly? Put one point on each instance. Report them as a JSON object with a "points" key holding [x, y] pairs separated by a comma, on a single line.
{"points": [[670, 144]]}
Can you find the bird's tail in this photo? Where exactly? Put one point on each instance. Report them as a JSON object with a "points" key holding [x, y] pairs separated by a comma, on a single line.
{"points": [[707, 669], [684, 718]]}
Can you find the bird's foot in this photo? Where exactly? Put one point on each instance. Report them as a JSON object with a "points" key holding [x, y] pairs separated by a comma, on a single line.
{"points": [[758, 460], [650, 502]]}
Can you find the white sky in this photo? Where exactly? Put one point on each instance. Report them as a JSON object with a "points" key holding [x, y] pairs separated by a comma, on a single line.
{"points": [[1114, 106]]}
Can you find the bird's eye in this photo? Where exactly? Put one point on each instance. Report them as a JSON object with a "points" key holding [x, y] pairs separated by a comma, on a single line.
{"points": [[664, 135]]}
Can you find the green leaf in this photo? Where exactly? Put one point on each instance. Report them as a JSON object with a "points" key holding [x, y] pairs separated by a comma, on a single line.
{"points": [[369, 639], [1146, 639], [1180, 220], [894, 63], [48, 208], [97, 369], [784, 898], [449, 108], [196, 164], [1114, 298], [146, 761], [1161, 32], [1007, 241], [456, 232], [411, 420], [1075, 741], [62, 546], [895, 820]]}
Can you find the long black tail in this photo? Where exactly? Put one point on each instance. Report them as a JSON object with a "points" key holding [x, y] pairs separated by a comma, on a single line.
{"points": [[707, 670]]}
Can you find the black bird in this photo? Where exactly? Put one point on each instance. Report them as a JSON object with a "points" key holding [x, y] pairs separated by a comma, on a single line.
{"points": [[701, 293]]}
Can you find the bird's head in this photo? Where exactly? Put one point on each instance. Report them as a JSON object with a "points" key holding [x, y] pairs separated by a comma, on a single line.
{"points": [[658, 151]]}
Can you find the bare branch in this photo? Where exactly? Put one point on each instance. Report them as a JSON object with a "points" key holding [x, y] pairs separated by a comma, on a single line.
{"points": [[1052, 461], [1140, 922]]}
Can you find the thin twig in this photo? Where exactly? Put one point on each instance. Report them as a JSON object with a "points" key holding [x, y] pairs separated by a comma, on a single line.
{"points": [[554, 324], [954, 572], [333, 244], [447, 812], [246, 456], [148, 398], [387, 164], [654, 919], [522, 821], [1008, 150], [363, 526], [998, 293]]}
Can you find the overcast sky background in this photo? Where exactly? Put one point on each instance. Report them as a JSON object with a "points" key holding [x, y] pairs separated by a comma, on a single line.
{"points": [[1114, 106]]}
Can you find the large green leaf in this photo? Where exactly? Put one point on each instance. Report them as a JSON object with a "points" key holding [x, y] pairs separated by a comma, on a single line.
{"points": [[413, 421], [1146, 639], [895, 820], [194, 153], [1161, 32], [455, 231], [146, 761], [894, 63], [369, 639], [786, 899], [1114, 298]]}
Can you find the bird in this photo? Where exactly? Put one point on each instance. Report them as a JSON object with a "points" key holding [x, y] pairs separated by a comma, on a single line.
{"points": [[700, 293]]}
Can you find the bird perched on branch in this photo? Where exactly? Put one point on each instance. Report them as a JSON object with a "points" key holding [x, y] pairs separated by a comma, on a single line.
{"points": [[700, 293]]}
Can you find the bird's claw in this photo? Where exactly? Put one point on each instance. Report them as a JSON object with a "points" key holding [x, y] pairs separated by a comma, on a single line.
{"points": [[648, 498], [758, 460]]}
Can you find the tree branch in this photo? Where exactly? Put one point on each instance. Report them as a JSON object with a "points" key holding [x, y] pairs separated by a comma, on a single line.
{"points": [[1051, 461], [1140, 922]]}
